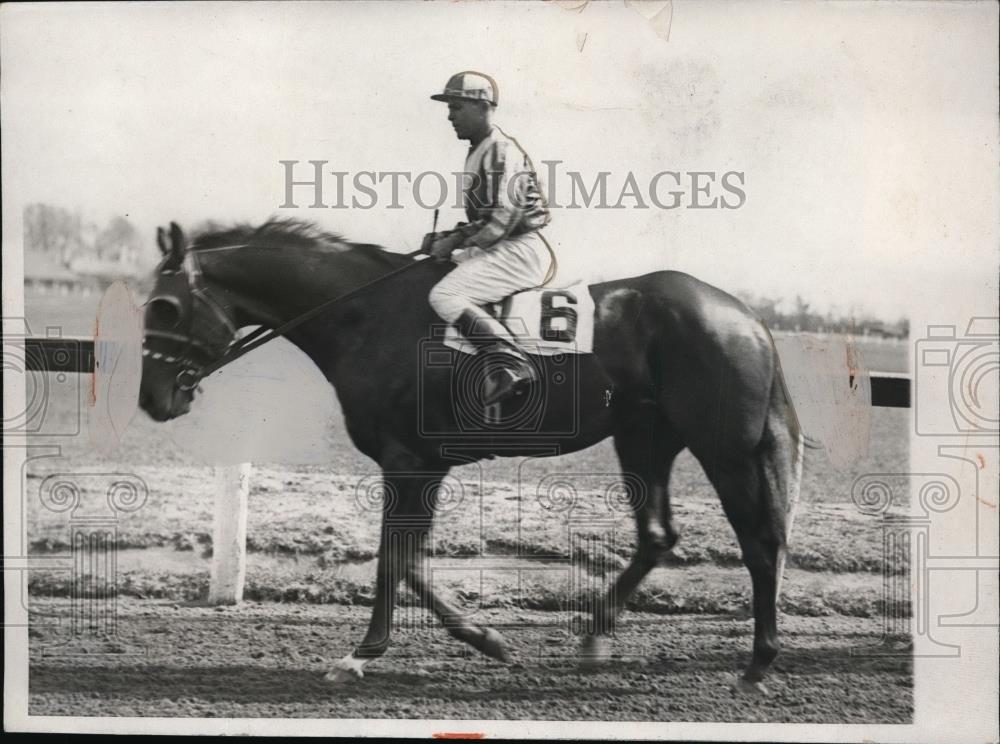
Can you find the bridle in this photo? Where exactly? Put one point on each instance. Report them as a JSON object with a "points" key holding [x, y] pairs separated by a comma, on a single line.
{"points": [[191, 372], [189, 281]]}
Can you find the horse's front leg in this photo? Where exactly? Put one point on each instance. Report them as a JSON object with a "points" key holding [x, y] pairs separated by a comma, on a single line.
{"points": [[388, 572], [409, 528], [403, 553], [415, 559]]}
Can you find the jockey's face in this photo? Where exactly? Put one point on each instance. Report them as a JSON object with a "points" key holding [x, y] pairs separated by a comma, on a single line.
{"points": [[471, 119]]}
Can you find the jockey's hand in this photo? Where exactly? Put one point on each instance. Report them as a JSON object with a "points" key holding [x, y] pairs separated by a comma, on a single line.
{"points": [[442, 248], [428, 241]]}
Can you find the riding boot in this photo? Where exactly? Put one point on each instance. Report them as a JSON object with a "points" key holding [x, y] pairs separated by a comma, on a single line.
{"points": [[489, 334]]}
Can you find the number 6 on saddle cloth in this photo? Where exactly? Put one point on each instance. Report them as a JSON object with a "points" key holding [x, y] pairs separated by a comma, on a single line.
{"points": [[544, 322]]}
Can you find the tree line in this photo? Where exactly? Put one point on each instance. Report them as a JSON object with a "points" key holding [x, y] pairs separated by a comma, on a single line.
{"points": [[802, 317], [64, 236]]}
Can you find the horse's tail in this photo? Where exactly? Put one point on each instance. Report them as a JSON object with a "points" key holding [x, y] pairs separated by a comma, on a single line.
{"points": [[782, 471], [794, 490]]}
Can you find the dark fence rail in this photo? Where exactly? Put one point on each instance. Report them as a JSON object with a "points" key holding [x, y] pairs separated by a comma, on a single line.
{"points": [[59, 354], [77, 355], [890, 390]]}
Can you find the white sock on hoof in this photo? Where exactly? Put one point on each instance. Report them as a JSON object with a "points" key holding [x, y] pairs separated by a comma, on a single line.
{"points": [[350, 667]]}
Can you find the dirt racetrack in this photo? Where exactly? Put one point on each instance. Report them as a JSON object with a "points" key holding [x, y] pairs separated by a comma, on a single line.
{"points": [[268, 660]]}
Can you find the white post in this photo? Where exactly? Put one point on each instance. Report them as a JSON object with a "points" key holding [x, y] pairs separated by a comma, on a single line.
{"points": [[229, 534]]}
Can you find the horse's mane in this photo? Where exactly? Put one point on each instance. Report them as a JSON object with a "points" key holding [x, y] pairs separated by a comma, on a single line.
{"points": [[275, 233], [283, 234]]}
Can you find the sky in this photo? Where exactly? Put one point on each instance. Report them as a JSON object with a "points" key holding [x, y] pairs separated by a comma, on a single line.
{"points": [[866, 133]]}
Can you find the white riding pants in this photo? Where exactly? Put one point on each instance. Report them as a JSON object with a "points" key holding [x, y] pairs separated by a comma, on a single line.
{"points": [[488, 275]]}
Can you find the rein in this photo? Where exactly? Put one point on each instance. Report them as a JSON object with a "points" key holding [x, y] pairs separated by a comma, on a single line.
{"points": [[262, 335], [190, 376]]}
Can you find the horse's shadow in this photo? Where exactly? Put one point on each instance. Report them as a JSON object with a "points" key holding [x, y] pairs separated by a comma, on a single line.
{"points": [[212, 684], [245, 684], [248, 684]]}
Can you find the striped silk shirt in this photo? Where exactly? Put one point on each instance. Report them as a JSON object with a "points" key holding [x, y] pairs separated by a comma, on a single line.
{"points": [[502, 198]]}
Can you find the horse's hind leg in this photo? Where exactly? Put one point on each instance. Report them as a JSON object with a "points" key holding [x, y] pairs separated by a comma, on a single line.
{"points": [[753, 494], [646, 447], [741, 494]]}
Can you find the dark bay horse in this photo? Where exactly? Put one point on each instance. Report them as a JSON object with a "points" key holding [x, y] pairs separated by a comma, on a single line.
{"points": [[676, 364]]}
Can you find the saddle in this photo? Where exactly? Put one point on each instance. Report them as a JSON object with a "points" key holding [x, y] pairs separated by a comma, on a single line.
{"points": [[544, 322]]}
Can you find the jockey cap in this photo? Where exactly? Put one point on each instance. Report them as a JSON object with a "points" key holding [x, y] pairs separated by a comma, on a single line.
{"points": [[470, 86]]}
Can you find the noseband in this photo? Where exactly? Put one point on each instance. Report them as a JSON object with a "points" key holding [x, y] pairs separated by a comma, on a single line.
{"points": [[191, 371]]}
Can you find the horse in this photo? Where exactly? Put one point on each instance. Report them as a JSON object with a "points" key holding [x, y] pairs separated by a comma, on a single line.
{"points": [[676, 363]]}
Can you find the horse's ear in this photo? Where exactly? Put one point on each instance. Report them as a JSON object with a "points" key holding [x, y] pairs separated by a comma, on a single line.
{"points": [[178, 243], [161, 241]]}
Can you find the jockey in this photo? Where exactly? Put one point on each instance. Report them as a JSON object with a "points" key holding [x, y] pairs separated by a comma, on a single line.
{"points": [[504, 251]]}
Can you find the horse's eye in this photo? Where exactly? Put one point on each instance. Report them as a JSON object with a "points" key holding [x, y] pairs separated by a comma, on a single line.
{"points": [[163, 312]]}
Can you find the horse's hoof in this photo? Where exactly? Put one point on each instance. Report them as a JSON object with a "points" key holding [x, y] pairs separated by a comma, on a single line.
{"points": [[493, 646], [743, 686], [596, 650], [348, 669]]}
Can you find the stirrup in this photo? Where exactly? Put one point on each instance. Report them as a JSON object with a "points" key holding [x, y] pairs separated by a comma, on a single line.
{"points": [[511, 383]]}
